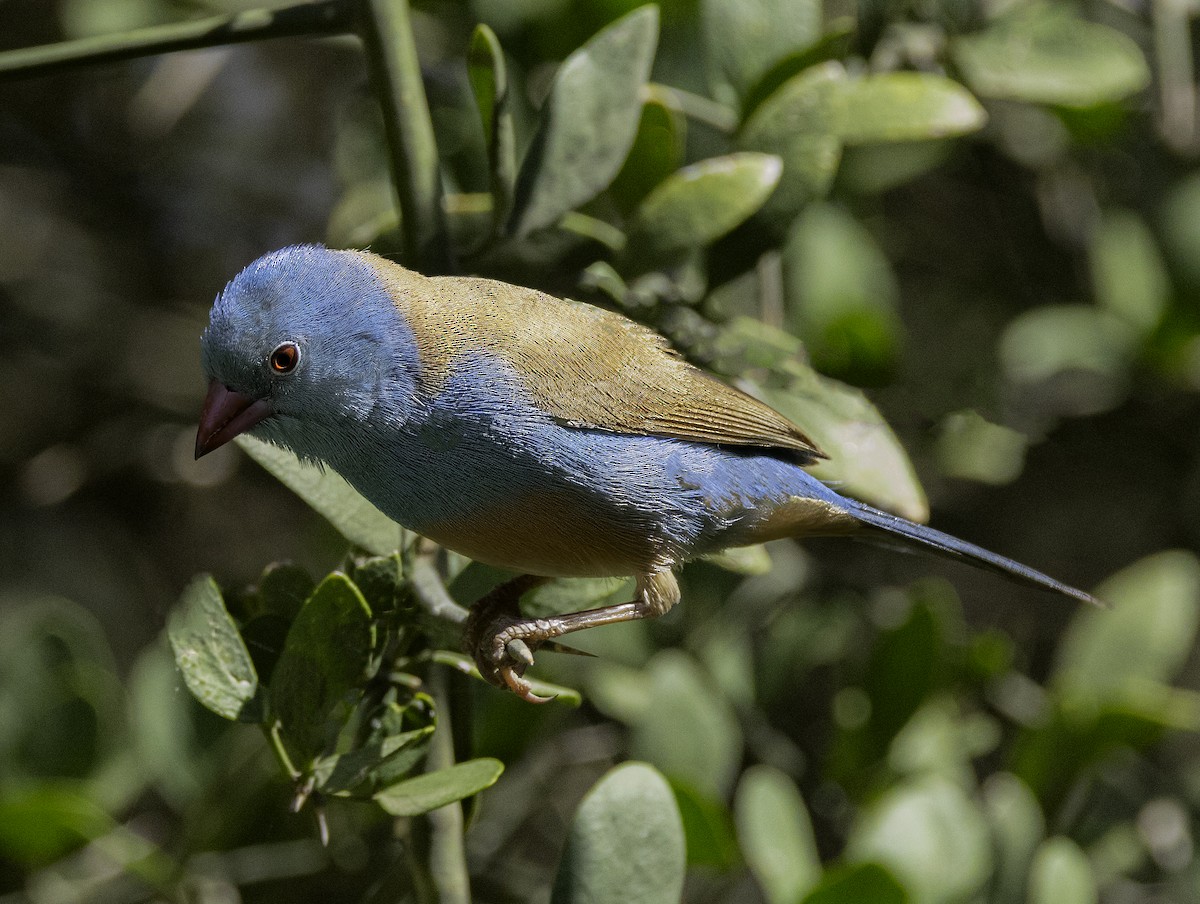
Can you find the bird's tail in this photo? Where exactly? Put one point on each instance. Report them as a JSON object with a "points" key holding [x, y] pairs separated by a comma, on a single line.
{"points": [[954, 548]]}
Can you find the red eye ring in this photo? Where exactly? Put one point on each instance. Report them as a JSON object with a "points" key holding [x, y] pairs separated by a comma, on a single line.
{"points": [[285, 357]]}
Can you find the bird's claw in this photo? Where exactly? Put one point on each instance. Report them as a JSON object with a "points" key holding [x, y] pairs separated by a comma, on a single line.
{"points": [[502, 642]]}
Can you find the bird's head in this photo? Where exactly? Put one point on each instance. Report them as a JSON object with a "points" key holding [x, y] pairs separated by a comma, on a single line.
{"points": [[299, 345]]}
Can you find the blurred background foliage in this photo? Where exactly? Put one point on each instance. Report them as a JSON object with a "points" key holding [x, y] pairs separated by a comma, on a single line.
{"points": [[957, 242]]}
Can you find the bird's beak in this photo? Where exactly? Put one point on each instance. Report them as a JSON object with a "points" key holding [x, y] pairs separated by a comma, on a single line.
{"points": [[226, 414]]}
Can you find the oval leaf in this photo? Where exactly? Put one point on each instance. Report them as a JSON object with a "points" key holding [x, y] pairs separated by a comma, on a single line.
{"points": [[903, 106], [1061, 874], [867, 882], [931, 834], [1147, 635], [776, 835], [744, 40], [212, 655], [325, 656], [796, 123], [700, 203], [415, 796], [1043, 53], [327, 492], [626, 843], [865, 458], [588, 124]]}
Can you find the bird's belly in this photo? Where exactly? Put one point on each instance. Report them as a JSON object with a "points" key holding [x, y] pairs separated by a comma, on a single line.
{"points": [[548, 533]]}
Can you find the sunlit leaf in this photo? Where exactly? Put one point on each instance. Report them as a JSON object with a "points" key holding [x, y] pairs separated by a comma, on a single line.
{"points": [[776, 835], [1147, 635], [931, 835], [797, 124], [1017, 825], [1128, 272], [1061, 874], [701, 202], [414, 796], [970, 447], [903, 106], [865, 458], [1044, 53], [625, 844], [588, 124], [211, 654], [327, 492]]}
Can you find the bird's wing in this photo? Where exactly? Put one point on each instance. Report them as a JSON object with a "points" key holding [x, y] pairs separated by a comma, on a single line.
{"points": [[588, 367]]}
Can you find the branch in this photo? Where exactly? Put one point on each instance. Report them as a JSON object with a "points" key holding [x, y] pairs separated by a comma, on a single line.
{"points": [[321, 18]]}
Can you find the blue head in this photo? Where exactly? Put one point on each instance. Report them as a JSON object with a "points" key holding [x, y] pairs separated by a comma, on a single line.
{"points": [[301, 344]]}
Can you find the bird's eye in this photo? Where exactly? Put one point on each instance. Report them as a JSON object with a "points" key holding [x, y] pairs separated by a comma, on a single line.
{"points": [[285, 358]]}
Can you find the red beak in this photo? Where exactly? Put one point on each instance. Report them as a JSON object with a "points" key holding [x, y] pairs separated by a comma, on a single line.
{"points": [[226, 414]]}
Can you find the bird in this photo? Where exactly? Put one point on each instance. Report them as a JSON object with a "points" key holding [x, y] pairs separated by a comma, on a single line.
{"points": [[546, 436]]}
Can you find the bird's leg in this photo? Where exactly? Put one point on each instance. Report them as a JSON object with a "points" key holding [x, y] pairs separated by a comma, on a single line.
{"points": [[502, 642]]}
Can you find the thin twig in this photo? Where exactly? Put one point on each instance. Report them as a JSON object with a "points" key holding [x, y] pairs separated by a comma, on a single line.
{"points": [[324, 17]]}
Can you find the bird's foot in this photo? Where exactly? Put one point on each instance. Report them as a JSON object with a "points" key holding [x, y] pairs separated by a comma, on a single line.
{"points": [[502, 642]]}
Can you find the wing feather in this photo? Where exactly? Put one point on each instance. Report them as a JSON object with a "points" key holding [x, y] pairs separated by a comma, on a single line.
{"points": [[588, 367]]}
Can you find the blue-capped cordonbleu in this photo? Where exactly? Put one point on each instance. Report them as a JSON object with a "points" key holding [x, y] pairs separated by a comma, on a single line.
{"points": [[545, 436]]}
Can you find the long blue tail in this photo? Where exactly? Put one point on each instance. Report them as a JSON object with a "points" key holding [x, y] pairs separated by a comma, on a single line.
{"points": [[954, 548]]}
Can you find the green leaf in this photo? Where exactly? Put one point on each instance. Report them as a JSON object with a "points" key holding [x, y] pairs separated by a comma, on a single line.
{"points": [[327, 492], [211, 654], [797, 124], [1146, 636], [776, 835], [745, 40], [748, 560], [931, 835], [1128, 272], [701, 202], [626, 843], [1017, 826], [866, 883], [841, 294], [375, 766], [1061, 874], [1043, 53], [707, 828], [575, 594], [970, 447], [658, 149], [283, 588], [588, 124], [556, 692], [903, 106], [325, 657], [415, 796], [866, 460], [1091, 344], [41, 823], [706, 756], [489, 81]]}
